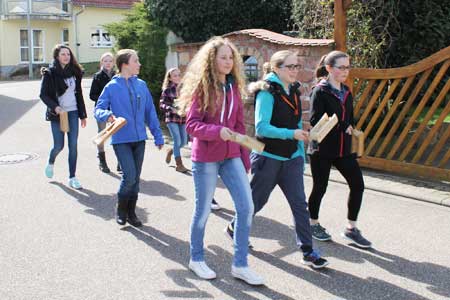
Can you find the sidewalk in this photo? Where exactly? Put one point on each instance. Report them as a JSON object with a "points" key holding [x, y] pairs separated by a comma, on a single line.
{"points": [[421, 190]]}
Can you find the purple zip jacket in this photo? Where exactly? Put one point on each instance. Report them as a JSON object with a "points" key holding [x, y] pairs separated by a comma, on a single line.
{"points": [[205, 129]]}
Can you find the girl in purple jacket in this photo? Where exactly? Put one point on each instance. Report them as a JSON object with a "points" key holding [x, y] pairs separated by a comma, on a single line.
{"points": [[211, 95]]}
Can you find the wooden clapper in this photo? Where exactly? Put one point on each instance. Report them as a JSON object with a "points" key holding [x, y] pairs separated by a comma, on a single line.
{"points": [[112, 128]]}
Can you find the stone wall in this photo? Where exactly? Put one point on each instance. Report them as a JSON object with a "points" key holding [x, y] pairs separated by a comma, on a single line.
{"points": [[262, 50]]}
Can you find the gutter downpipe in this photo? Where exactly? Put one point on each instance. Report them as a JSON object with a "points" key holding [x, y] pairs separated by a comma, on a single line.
{"points": [[30, 49], [75, 20]]}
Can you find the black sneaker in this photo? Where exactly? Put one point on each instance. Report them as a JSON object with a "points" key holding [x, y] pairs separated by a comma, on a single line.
{"points": [[229, 232], [314, 260], [356, 237], [215, 205], [319, 233]]}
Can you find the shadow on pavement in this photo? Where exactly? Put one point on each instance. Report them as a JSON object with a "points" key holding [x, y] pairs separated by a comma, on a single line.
{"points": [[103, 206], [159, 188], [178, 251], [339, 283], [13, 109]]}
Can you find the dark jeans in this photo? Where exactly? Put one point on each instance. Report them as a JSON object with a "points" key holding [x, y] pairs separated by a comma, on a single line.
{"points": [[349, 168], [58, 141], [130, 157], [288, 175]]}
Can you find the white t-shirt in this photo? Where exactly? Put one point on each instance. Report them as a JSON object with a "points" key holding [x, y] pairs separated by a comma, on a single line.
{"points": [[67, 101]]}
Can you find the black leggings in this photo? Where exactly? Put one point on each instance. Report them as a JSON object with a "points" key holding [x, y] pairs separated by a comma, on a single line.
{"points": [[349, 168]]}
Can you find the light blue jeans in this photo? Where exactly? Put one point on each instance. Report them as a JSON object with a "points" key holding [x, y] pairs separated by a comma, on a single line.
{"points": [[72, 139], [179, 136], [235, 179]]}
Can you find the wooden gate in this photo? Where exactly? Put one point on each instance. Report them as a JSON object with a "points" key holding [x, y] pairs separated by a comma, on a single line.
{"points": [[405, 115]]}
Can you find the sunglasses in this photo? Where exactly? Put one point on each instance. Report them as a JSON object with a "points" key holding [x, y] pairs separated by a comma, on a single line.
{"points": [[292, 67], [342, 68]]}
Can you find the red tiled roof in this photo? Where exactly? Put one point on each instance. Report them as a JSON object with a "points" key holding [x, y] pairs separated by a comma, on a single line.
{"points": [[282, 39], [106, 3]]}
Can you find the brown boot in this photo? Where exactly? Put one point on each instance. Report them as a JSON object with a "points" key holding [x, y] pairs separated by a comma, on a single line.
{"points": [[180, 167], [169, 155]]}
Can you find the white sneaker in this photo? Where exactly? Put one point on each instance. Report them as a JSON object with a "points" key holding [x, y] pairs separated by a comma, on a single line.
{"points": [[74, 183], [246, 274], [201, 269], [215, 205]]}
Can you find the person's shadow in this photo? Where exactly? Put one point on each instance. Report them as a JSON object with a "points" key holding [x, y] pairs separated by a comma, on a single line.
{"points": [[102, 206], [159, 188], [435, 276], [178, 251]]}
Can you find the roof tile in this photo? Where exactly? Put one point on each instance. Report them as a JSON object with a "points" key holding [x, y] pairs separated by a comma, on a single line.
{"points": [[281, 39]]}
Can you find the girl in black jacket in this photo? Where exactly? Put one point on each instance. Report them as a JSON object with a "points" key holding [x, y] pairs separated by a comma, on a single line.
{"points": [[61, 91], [101, 78], [331, 96]]}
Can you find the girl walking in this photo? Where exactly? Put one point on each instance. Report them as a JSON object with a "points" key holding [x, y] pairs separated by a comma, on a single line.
{"points": [[101, 78], [278, 123], [212, 89], [128, 97], [61, 92], [332, 96]]}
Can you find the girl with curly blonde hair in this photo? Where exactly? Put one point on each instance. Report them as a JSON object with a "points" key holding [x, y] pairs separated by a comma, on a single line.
{"points": [[211, 95]]}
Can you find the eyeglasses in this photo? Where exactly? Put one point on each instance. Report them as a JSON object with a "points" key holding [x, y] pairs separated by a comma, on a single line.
{"points": [[292, 67], [343, 68]]}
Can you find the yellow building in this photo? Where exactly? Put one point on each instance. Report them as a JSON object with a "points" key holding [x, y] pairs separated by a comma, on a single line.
{"points": [[76, 23]]}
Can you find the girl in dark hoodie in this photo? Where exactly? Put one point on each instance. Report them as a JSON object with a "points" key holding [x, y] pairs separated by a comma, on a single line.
{"points": [[100, 79], [332, 96], [61, 91]]}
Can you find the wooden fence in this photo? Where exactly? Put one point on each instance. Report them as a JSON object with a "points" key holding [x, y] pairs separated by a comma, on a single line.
{"points": [[404, 113]]}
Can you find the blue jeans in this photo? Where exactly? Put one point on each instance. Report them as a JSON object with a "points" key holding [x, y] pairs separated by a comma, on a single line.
{"points": [[179, 136], [288, 175], [58, 141], [130, 157], [235, 179]]}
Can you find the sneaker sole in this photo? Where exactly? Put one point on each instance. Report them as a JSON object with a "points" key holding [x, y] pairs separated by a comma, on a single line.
{"points": [[356, 243], [250, 246], [216, 208], [322, 240], [238, 276], [310, 264]]}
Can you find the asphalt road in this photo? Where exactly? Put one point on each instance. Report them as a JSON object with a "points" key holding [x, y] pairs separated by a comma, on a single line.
{"points": [[58, 243]]}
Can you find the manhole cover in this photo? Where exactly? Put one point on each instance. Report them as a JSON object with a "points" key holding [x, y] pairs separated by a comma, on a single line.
{"points": [[15, 158]]}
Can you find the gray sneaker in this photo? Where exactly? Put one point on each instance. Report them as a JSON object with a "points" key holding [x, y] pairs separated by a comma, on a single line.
{"points": [[356, 237], [319, 233]]}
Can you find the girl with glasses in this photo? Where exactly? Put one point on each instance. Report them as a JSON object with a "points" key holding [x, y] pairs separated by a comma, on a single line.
{"points": [[332, 96]]}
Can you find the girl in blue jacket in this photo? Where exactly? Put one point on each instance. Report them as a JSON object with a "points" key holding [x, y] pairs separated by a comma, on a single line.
{"points": [[128, 97]]}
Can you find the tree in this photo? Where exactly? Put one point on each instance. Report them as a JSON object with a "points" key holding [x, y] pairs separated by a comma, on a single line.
{"points": [[381, 33], [198, 20], [138, 31]]}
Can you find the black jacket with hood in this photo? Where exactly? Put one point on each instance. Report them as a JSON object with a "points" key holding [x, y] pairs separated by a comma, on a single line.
{"points": [[323, 100], [53, 86]]}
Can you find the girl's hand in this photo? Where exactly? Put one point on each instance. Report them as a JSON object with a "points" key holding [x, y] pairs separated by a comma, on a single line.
{"points": [[111, 119], [83, 123], [225, 133], [159, 147], [349, 130], [58, 110], [301, 135]]}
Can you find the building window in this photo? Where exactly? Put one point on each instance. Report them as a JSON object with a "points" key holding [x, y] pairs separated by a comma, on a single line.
{"points": [[251, 68], [37, 46], [65, 37], [100, 38], [65, 5]]}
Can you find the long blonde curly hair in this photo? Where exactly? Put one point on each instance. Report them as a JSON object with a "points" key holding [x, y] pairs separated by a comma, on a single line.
{"points": [[202, 77]]}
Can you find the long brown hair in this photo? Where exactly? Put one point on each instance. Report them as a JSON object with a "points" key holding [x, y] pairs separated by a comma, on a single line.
{"points": [[73, 63], [202, 77]]}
